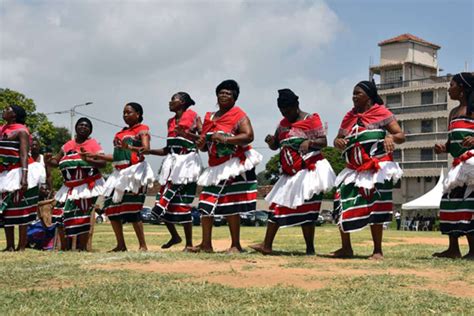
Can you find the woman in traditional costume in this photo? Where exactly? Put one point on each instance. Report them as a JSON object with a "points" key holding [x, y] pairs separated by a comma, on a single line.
{"points": [[296, 197], [456, 214], [125, 189], [83, 183], [229, 183], [367, 137], [20, 177], [180, 169]]}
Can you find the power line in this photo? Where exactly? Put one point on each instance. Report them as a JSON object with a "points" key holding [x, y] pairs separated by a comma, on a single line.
{"points": [[153, 135], [112, 124]]}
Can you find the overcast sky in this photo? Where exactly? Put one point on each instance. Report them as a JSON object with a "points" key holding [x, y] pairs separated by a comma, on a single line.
{"points": [[63, 53]]}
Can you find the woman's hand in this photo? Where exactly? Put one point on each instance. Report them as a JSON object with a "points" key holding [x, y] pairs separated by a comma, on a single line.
{"points": [[270, 140], [468, 142], [179, 130], [440, 148], [24, 180], [48, 157], [219, 138], [144, 151], [304, 147], [200, 142], [340, 143], [389, 144]]}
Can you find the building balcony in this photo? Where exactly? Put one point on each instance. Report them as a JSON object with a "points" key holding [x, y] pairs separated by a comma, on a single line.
{"points": [[440, 136], [430, 164], [419, 108], [413, 83]]}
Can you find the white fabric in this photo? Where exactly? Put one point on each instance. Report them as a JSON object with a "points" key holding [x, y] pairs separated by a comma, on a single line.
{"points": [[230, 169], [80, 192], [429, 200], [389, 170], [130, 179], [460, 175], [292, 191], [10, 180], [180, 169]]}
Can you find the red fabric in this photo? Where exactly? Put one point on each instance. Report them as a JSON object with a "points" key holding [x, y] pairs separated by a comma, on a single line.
{"points": [[90, 145], [187, 122], [8, 129], [462, 158], [311, 125], [89, 180], [376, 114], [366, 210], [309, 128], [228, 124], [131, 132], [282, 210], [368, 163], [455, 216]]}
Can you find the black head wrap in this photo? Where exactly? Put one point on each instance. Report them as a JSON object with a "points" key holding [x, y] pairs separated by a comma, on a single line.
{"points": [[370, 89], [287, 98], [466, 80], [231, 85], [20, 113], [84, 119], [138, 108], [186, 98]]}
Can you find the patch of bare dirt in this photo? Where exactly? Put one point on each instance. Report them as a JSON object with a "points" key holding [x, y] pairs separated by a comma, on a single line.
{"points": [[415, 240], [282, 271]]}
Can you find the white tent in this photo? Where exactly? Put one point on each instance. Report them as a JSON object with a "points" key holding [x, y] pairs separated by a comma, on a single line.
{"points": [[429, 200]]}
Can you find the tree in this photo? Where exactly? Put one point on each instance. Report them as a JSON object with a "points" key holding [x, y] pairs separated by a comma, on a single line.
{"points": [[333, 155], [271, 174], [51, 137]]}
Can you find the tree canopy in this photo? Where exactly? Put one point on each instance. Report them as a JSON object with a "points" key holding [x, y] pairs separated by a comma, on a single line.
{"points": [[50, 136]]}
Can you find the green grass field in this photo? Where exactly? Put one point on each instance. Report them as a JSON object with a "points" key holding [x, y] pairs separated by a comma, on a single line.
{"points": [[407, 281]]}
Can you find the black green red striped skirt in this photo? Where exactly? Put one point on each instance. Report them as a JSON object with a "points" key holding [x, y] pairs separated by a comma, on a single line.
{"points": [[456, 215], [230, 197], [19, 209], [127, 210], [174, 202], [77, 216], [302, 214], [361, 207]]}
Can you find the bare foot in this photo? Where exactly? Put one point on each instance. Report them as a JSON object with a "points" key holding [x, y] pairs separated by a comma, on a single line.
{"points": [[233, 250], [9, 249], [342, 253], [118, 249], [171, 243], [376, 256], [200, 248], [143, 249], [447, 254], [469, 256], [260, 248], [188, 249]]}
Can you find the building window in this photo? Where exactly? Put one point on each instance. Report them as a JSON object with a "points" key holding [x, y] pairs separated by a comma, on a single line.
{"points": [[394, 100], [427, 126], [427, 97], [393, 75], [426, 154], [398, 185], [397, 155]]}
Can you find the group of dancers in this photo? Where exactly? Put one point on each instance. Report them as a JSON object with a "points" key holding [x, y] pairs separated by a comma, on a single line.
{"points": [[367, 138]]}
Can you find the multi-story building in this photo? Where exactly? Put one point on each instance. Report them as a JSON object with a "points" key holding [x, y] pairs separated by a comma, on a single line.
{"points": [[413, 90]]}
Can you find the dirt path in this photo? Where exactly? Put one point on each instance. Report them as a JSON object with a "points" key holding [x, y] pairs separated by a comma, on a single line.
{"points": [[309, 273]]}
